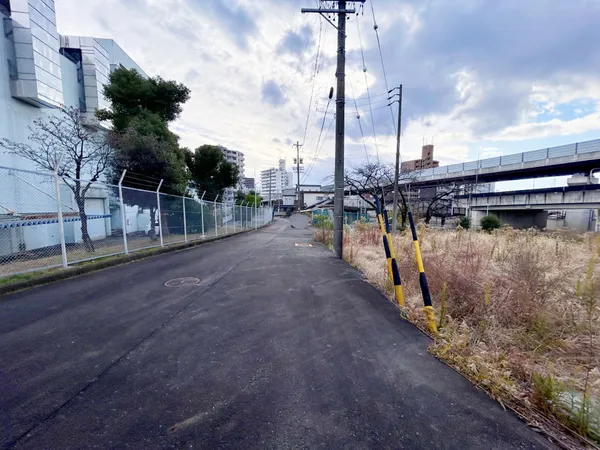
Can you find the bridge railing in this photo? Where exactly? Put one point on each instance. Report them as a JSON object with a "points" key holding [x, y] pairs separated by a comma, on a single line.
{"points": [[515, 158]]}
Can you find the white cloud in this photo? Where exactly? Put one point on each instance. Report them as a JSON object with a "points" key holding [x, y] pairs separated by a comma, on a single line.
{"points": [[227, 69]]}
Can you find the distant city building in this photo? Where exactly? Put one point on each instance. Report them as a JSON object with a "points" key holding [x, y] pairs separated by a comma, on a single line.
{"points": [[273, 181], [249, 184], [425, 162], [237, 158]]}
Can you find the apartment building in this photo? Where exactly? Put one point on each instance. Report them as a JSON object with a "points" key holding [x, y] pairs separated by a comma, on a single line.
{"points": [[425, 162], [274, 181], [237, 158]]}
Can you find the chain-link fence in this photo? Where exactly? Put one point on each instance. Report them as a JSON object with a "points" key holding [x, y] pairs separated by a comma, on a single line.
{"points": [[48, 222]]}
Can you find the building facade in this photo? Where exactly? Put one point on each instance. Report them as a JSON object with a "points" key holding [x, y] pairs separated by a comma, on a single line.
{"points": [[249, 185], [274, 181], [237, 158], [425, 162], [40, 72]]}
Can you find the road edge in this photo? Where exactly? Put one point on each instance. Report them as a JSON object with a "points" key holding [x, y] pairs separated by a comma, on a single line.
{"points": [[94, 266]]}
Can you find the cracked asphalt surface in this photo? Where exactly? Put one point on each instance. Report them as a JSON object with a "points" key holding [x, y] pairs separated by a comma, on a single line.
{"points": [[277, 346]]}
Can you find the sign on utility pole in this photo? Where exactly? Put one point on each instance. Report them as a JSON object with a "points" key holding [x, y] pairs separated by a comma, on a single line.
{"points": [[338, 199]]}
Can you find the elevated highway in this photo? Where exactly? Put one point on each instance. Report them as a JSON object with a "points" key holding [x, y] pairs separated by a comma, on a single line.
{"points": [[580, 157]]}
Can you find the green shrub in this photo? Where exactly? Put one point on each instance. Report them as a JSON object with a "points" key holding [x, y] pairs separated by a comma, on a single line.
{"points": [[490, 223], [465, 223], [323, 221]]}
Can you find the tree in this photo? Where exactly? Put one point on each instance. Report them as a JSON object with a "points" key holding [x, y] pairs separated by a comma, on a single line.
{"points": [[240, 197], [210, 171], [252, 198], [141, 109], [435, 200], [72, 145], [131, 94], [377, 179], [148, 160]]}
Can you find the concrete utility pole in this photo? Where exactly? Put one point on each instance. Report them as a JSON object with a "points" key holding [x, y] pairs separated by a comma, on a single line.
{"points": [[397, 170], [298, 145], [338, 199], [270, 185]]}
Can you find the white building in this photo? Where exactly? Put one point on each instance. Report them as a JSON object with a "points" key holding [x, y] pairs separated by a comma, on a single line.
{"points": [[311, 193], [237, 158], [274, 181], [40, 70]]}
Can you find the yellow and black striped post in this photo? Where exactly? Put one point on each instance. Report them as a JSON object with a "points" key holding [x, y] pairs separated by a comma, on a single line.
{"points": [[395, 272], [386, 242], [392, 265], [428, 309]]}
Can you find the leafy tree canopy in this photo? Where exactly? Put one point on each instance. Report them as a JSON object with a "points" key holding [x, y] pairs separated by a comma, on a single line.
{"points": [[148, 160], [131, 94], [210, 171]]}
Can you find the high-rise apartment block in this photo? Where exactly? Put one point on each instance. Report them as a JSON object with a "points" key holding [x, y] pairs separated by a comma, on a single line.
{"points": [[274, 180], [237, 158]]}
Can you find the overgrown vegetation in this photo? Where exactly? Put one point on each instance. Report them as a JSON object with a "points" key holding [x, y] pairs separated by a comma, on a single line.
{"points": [[490, 223], [519, 314], [465, 223], [324, 227]]}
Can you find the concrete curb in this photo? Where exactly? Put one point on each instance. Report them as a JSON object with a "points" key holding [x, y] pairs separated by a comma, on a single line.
{"points": [[89, 267]]}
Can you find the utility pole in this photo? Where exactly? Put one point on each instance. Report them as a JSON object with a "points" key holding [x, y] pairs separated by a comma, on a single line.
{"points": [[397, 170], [270, 186], [298, 145], [338, 199]]}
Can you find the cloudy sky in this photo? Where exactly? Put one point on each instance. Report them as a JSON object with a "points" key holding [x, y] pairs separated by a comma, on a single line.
{"points": [[481, 78]]}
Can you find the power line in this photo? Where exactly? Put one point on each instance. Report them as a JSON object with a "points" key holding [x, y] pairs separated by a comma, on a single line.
{"points": [[362, 54], [307, 173], [314, 76], [359, 123], [365, 112], [323, 123], [387, 88]]}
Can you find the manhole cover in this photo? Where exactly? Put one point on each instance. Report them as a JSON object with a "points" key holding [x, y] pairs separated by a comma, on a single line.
{"points": [[181, 282]]}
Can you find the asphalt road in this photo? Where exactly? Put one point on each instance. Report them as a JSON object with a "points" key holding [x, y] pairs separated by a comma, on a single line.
{"points": [[278, 346]]}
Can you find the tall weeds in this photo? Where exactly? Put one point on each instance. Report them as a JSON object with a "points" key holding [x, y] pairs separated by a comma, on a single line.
{"points": [[521, 311]]}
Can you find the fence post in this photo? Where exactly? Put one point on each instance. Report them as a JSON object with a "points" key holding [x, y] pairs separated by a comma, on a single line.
{"points": [[202, 212], [123, 217], [242, 214], [233, 208], [215, 212], [184, 219], [225, 216], [61, 228], [162, 244], [255, 212]]}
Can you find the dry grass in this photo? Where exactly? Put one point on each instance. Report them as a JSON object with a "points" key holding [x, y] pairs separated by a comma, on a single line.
{"points": [[522, 318]]}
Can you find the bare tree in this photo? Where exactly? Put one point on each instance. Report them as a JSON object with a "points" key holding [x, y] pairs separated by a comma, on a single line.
{"points": [[436, 200], [72, 145], [371, 179]]}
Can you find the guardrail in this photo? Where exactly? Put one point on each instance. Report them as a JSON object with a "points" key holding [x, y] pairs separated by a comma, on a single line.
{"points": [[517, 158]]}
